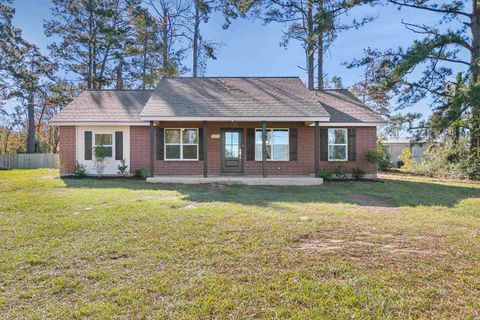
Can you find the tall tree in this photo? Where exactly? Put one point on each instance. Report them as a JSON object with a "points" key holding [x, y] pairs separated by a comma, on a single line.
{"points": [[441, 55], [171, 17], [92, 36], [315, 23]]}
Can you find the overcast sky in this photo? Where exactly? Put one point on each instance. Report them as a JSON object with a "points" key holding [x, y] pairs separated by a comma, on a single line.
{"points": [[252, 49]]}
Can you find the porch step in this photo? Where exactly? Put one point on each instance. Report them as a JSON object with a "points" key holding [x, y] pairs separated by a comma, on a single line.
{"points": [[247, 180]]}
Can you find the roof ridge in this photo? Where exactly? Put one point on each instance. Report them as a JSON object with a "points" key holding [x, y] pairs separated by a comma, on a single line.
{"points": [[234, 77], [122, 90]]}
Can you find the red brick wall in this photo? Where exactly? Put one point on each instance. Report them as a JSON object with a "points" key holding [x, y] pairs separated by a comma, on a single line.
{"points": [[305, 164], [67, 149]]}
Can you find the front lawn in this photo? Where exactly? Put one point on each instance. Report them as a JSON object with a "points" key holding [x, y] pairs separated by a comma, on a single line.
{"points": [[405, 248]]}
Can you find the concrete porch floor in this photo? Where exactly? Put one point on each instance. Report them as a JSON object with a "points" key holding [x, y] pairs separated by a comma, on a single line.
{"points": [[247, 180]]}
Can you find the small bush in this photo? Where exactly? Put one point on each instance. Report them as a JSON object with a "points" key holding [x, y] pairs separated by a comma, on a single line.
{"points": [[374, 156], [406, 157], [141, 173], [122, 168], [358, 174], [80, 170], [339, 172], [325, 173]]}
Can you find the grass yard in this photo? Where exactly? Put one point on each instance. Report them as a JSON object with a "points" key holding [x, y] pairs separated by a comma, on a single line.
{"points": [[405, 248]]}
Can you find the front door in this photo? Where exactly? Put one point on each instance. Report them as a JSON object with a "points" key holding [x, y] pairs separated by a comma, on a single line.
{"points": [[231, 151]]}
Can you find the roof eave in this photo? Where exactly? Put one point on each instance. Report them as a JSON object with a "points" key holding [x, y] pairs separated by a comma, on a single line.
{"points": [[237, 118]]}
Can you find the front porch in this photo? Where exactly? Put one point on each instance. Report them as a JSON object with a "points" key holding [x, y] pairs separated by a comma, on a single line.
{"points": [[304, 180]]}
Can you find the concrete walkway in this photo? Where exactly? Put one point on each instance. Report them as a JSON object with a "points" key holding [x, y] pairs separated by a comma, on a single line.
{"points": [[247, 180]]}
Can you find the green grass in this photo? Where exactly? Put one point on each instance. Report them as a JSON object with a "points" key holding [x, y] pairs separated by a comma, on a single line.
{"points": [[405, 248]]}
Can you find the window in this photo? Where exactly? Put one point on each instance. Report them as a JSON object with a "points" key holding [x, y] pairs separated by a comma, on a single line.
{"points": [[104, 140], [181, 144], [277, 145], [337, 144]]}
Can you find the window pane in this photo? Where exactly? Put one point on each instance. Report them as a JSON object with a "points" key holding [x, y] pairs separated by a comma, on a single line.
{"points": [[189, 136], [337, 152], [172, 135], [280, 136], [337, 136], [108, 151], [258, 152], [232, 151], [189, 152], [258, 137], [280, 152], [103, 139], [172, 152]]}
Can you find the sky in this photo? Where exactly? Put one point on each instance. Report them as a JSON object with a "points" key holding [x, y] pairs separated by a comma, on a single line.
{"points": [[250, 48]]}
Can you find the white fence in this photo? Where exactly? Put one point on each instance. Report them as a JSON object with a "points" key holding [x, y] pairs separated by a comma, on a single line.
{"points": [[29, 160]]}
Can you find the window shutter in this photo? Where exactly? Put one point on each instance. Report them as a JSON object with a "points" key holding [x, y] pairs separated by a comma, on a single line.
{"points": [[160, 143], [118, 145], [352, 144], [323, 144], [88, 145], [200, 144], [250, 144], [293, 144]]}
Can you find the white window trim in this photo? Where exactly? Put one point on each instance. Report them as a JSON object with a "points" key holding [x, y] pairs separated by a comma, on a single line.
{"points": [[288, 144], [181, 144], [338, 144], [103, 145]]}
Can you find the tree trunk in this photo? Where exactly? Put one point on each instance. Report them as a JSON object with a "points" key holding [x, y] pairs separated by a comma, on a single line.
{"points": [[90, 48], [144, 65], [119, 85], [196, 33], [31, 123], [475, 70], [165, 50], [310, 46], [320, 51]]}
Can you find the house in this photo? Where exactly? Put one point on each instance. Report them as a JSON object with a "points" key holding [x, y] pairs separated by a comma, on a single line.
{"points": [[219, 126], [394, 148]]}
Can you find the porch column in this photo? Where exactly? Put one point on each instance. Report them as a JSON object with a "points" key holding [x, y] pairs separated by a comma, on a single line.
{"points": [[317, 150], [264, 148], [205, 149], [152, 149]]}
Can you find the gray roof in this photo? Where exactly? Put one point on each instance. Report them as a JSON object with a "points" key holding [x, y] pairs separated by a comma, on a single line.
{"points": [[285, 98], [344, 106], [232, 97], [105, 105]]}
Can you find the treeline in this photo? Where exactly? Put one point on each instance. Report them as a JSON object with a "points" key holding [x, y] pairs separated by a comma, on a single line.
{"points": [[120, 44]]}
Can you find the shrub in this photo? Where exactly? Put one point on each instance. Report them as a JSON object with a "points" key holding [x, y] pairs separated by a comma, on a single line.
{"points": [[100, 161], [451, 161], [80, 170], [374, 156], [339, 172], [325, 173], [358, 173], [141, 173], [122, 168], [406, 157]]}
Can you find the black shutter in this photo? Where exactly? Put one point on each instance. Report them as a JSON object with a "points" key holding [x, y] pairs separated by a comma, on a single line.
{"points": [[160, 143], [293, 144], [118, 145], [88, 145], [200, 144], [323, 144], [250, 144], [352, 145]]}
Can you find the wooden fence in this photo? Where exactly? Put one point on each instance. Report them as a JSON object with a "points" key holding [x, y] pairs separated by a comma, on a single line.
{"points": [[29, 160]]}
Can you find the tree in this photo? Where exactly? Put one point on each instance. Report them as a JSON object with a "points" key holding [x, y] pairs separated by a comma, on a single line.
{"points": [[92, 37], [315, 23], [440, 56], [398, 124], [171, 18]]}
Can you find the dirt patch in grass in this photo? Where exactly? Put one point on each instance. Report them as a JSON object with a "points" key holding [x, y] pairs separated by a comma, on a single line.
{"points": [[373, 204], [367, 245]]}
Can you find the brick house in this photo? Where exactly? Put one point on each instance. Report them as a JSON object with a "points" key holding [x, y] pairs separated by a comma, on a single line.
{"points": [[219, 126]]}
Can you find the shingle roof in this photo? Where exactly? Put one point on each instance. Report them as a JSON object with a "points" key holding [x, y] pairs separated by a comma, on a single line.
{"points": [[221, 97], [344, 106], [232, 97], [109, 105]]}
